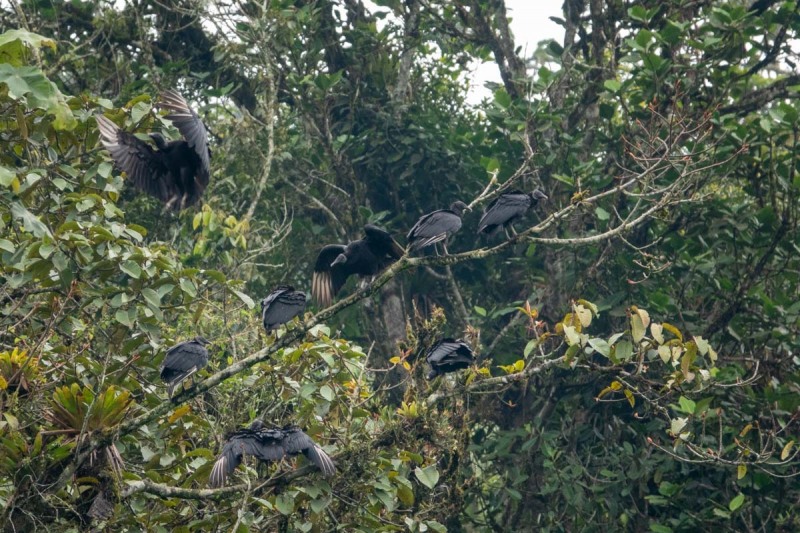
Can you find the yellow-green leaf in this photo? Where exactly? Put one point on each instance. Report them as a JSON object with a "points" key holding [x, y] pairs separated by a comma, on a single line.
{"points": [[787, 450]]}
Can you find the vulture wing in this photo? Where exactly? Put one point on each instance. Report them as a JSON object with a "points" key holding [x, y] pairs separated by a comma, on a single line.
{"points": [[432, 228], [381, 241], [144, 166], [326, 280], [239, 444], [282, 305], [449, 355], [503, 210], [181, 361], [296, 441], [192, 129]]}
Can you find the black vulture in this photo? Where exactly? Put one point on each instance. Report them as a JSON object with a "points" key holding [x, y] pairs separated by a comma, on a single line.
{"points": [[365, 257], [178, 172], [448, 355], [281, 305], [505, 209], [436, 226], [182, 361], [267, 445]]}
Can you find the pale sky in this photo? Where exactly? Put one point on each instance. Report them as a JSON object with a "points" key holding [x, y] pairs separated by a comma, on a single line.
{"points": [[530, 24]]}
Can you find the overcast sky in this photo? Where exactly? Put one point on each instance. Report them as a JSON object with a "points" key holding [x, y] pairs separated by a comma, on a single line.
{"points": [[530, 24]]}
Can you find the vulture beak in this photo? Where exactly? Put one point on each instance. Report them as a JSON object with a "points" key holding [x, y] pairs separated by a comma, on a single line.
{"points": [[340, 259]]}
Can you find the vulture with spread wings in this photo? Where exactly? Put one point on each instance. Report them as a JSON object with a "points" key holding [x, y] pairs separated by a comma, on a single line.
{"points": [[177, 172], [267, 445], [364, 257]]}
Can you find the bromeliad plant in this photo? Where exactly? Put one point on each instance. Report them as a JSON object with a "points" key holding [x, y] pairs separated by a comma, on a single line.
{"points": [[79, 412], [18, 371]]}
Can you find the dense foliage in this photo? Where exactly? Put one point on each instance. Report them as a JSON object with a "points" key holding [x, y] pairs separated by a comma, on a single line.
{"points": [[637, 340]]}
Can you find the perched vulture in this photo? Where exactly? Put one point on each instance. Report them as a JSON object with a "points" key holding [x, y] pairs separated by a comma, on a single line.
{"points": [[436, 226], [182, 361], [505, 209], [267, 445], [178, 172], [281, 305], [448, 355], [365, 257]]}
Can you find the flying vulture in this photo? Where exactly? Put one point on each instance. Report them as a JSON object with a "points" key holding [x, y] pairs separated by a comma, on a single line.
{"points": [[281, 305], [267, 445], [177, 172], [505, 209], [436, 226], [182, 361], [448, 355], [365, 257]]}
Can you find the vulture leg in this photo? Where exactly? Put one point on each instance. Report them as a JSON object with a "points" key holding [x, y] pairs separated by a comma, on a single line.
{"points": [[444, 247], [514, 231], [505, 229]]}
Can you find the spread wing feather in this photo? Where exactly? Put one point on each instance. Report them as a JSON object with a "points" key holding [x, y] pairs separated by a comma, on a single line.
{"points": [[192, 129], [326, 281], [296, 441], [144, 166], [241, 443]]}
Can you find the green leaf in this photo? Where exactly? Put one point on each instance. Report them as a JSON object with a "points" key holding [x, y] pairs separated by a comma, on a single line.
{"points": [[151, 297], [327, 393], [14, 43], [502, 98], [31, 87], [126, 316], [741, 471], [623, 350], [6, 176], [284, 503], [428, 476], [736, 502], [245, 298], [480, 310], [613, 86], [687, 405], [30, 222], [188, 287], [600, 346], [405, 495], [131, 269]]}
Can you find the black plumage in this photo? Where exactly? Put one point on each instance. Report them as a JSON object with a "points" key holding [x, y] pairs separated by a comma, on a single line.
{"points": [[436, 226], [281, 305], [506, 208], [182, 361], [364, 257], [178, 172], [267, 445], [448, 355]]}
